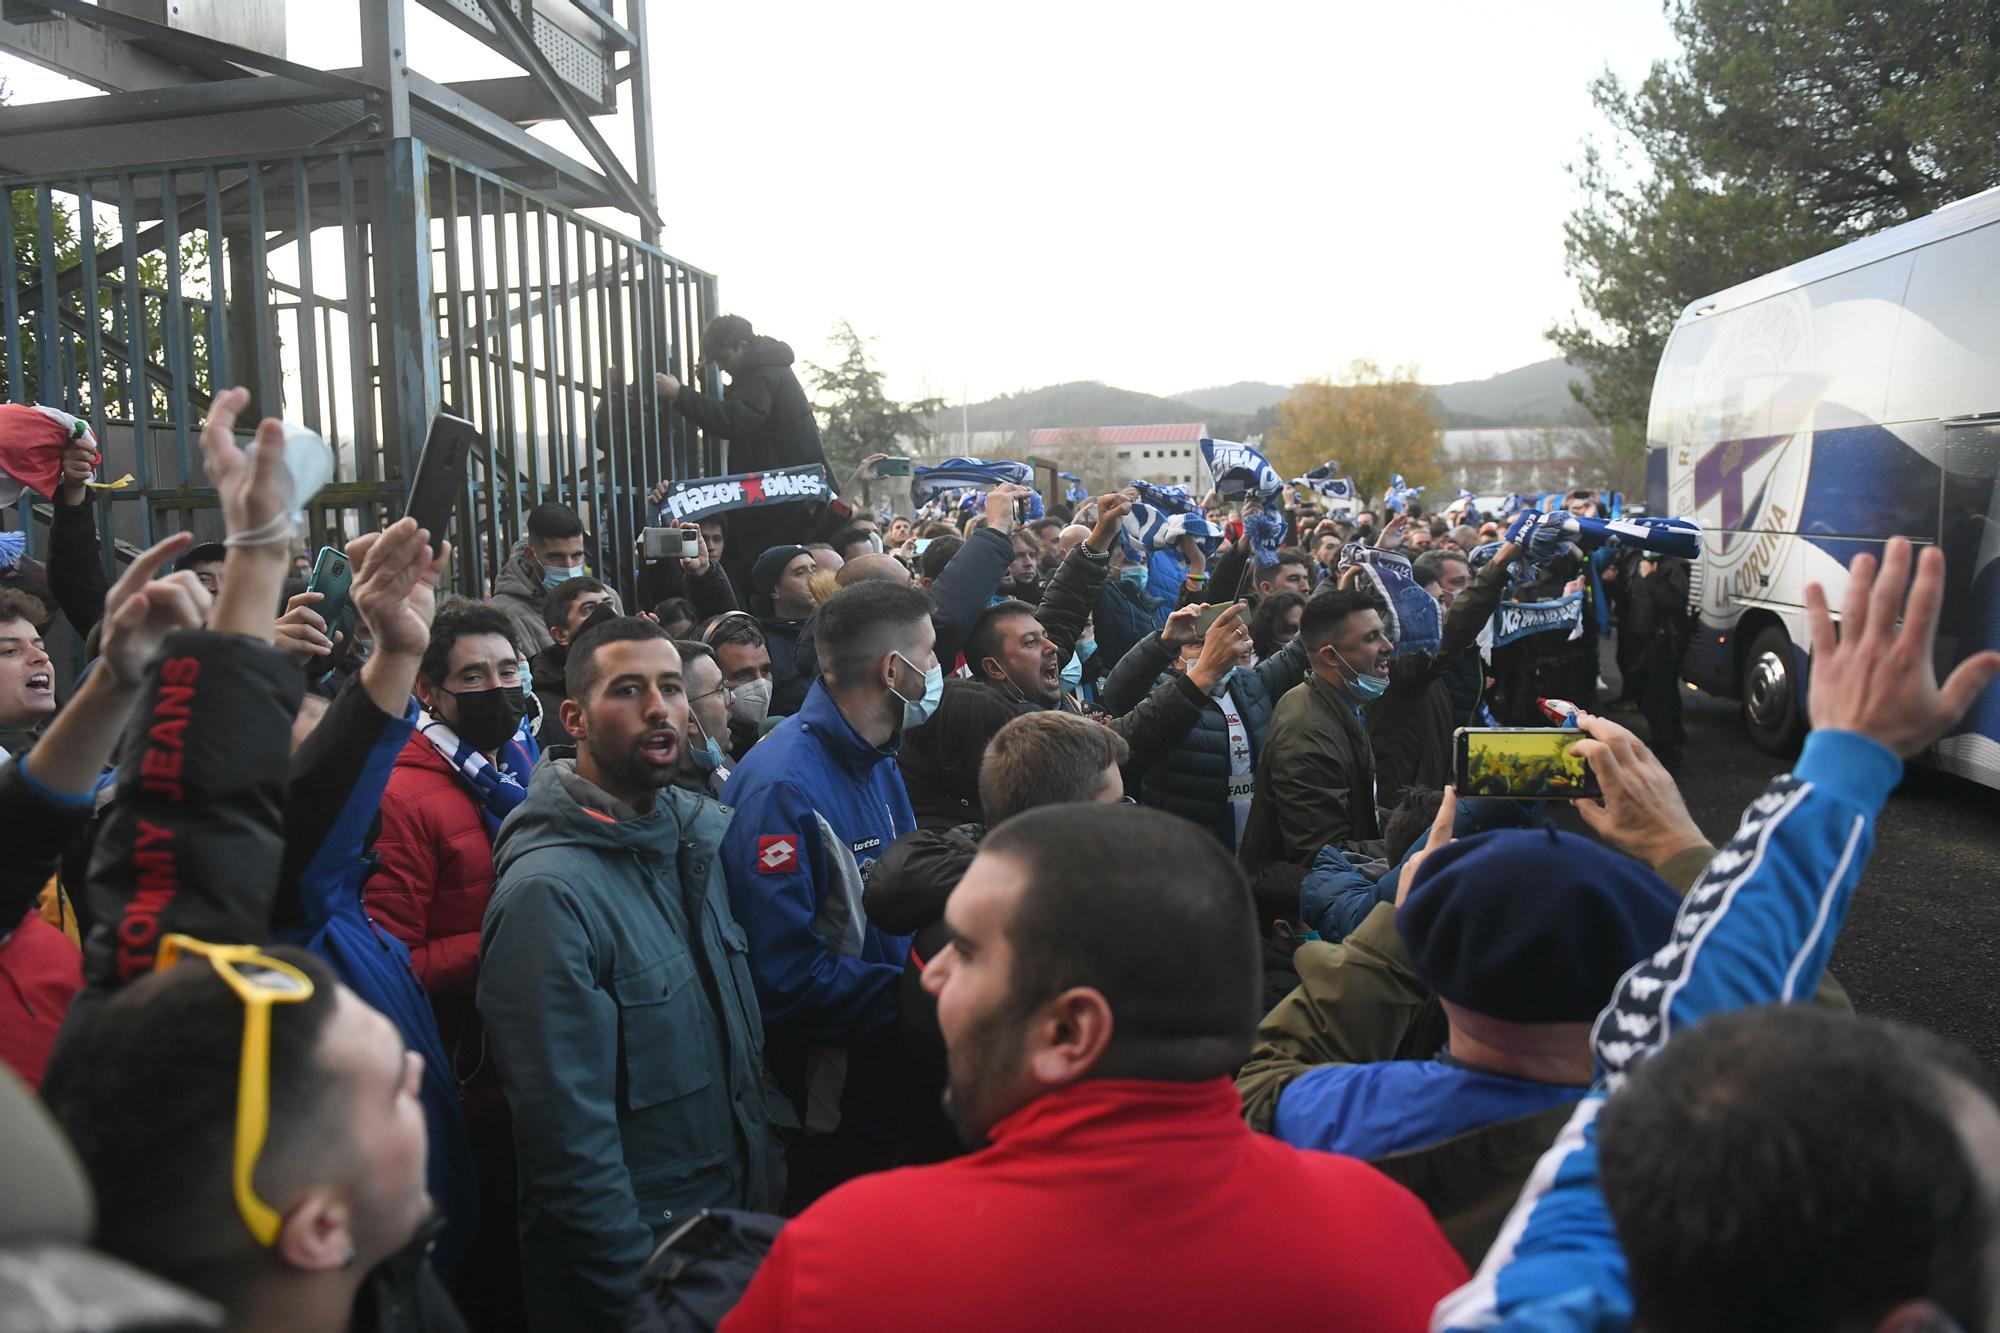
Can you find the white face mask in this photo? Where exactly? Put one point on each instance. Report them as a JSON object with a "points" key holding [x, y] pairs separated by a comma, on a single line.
{"points": [[918, 711], [751, 703]]}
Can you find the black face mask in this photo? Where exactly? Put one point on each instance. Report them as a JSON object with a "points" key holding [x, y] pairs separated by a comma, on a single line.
{"points": [[487, 718], [598, 615]]}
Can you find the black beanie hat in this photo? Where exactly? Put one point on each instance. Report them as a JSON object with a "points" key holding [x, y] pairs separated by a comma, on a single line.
{"points": [[769, 566], [1532, 925]]}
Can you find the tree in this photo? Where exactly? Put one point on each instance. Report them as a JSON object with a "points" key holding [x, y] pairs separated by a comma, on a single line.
{"points": [[1785, 128], [856, 417], [1373, 424]]}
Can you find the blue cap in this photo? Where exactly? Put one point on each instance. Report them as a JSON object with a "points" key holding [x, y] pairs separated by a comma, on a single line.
{"points": [[1532, 925]]}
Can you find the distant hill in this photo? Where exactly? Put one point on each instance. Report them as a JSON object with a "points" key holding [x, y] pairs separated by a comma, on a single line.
{"points": [[1534, 395], [1087, 403], [1243, 399]]}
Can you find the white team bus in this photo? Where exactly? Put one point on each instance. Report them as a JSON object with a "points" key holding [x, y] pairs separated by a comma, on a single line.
{"points": [[1807, 416]]}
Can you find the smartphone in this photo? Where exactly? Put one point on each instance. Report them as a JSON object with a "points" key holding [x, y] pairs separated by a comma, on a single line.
{"points": [[683, 543], [331, 579], [1021, 509], [440, 475], [893, 467], [1522, 764], [1204, 622]]}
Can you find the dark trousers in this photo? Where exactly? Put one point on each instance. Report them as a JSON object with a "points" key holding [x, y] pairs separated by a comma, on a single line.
{"points": [[1659, 695]]}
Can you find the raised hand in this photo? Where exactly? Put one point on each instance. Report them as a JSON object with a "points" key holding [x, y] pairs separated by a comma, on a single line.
{"points": [[1876, 675], [668, 386], [1440, 834], [1641, 812], [1178, 632], [1222, 648], [79, 460], [255, 487], [140, 612], [395, 586], [1111, 511], [302, 631], [697, 564], [1392, 534], [1000, 505]]}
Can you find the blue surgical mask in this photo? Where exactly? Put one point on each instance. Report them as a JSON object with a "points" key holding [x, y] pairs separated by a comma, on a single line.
{"points": [[707, 759], [1134, 577], [552, 578], [1072, 674], [916, 712], [1087, 649], [1364, 687]]}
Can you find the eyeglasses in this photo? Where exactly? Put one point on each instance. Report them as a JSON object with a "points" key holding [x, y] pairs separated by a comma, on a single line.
{"points": [[1127, 800], [260, 981], [723, 689]]}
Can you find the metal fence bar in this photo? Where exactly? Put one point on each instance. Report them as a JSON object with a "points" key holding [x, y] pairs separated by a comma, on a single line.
{"points": [[497, 550], [178, 355], [269, 395], [543, 272], [48, 337], [302, 229], [360, 354], [140, 397], [218, 289], [10, 300]]}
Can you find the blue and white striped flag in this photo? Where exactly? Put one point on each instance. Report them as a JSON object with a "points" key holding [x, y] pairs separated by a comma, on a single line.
{"points": [[1147, 528], [966, 473], [1240, 470], [1169, 499], [1327, 488]]}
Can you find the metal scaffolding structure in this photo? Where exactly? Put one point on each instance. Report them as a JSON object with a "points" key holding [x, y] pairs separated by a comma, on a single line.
{"points": [[360, 248]]}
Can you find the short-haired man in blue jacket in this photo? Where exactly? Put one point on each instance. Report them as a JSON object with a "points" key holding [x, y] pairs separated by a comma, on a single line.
{"points": [[816, 802]]}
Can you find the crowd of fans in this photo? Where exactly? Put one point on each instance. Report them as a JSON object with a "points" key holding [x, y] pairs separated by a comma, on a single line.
{"points": [[784, 952]]}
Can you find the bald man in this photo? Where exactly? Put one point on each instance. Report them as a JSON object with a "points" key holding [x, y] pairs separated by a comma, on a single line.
{"points": [[1068, 538], [960, 592], [872, 566]]}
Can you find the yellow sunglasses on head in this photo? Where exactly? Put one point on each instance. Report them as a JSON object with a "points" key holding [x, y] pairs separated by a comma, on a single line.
{"points": [[260, 981]]}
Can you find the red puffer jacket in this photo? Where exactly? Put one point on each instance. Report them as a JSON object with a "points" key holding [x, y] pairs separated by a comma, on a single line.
{"points": [[433, 877]]}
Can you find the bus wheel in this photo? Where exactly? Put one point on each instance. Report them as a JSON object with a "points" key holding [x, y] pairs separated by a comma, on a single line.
{"points": [[1773, 710]]}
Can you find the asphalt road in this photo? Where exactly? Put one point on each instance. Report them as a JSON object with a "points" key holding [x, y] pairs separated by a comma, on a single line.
{"points": [[1922, 944]]}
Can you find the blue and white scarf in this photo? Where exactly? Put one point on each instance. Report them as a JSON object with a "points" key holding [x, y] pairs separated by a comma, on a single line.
{"points": [[1414, 625], [1398, 496], [1321, 482], [13, 545], [1148, 529], [958, 474], [1167, 499], [1239, 470], [1074, 492], [497, 789]]}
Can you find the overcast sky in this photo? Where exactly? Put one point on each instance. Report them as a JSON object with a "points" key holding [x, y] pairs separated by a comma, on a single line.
{"points": [[1162, 196]]}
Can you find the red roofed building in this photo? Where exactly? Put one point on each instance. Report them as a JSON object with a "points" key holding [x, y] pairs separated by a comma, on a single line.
{"points": [[1110, 456]]}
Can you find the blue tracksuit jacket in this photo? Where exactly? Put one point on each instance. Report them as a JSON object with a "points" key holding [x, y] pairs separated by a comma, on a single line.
{"points": [[1756, 928], [815, 805]]}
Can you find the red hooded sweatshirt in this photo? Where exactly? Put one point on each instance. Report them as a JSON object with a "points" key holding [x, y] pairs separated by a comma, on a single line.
{"points": [[1112, 1204]]}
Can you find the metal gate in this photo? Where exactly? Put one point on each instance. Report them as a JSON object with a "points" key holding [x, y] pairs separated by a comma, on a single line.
{"points": [[357, 289]]}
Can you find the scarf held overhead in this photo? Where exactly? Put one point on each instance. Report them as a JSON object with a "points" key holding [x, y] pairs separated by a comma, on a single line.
{"points": [[688, 501]]}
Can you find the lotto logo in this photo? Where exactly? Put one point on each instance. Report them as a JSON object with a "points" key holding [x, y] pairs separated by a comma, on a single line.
{"points": [[777, 855]]}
